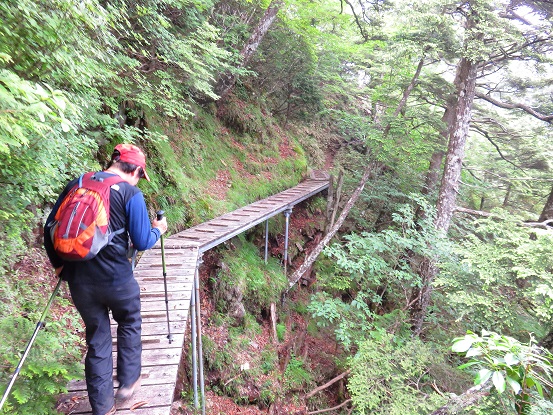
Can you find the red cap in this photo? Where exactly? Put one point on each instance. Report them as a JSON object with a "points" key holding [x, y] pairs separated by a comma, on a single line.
{"points": [[132, 154]]}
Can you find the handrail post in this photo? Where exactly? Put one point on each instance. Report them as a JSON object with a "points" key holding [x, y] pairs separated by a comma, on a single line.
{"points": [[199, 329], [266, 240], [194, 346], [287, 213]]}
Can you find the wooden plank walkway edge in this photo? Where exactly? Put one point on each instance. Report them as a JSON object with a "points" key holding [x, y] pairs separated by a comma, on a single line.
{"points": [[161, 359]]}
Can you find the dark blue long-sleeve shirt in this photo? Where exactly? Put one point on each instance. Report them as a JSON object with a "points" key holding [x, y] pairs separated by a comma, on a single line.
{"points": [[111, 266]]}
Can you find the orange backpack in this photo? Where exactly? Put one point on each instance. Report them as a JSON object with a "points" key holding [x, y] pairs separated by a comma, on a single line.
{"points": [[81, 226]]}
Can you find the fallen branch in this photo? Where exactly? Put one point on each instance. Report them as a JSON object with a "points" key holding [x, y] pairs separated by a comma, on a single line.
{"points": [[327, 384], [472, 212], [467, 398], [546, 224], [320, 411]]}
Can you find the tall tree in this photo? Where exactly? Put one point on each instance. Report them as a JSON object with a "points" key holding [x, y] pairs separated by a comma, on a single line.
{"points": [[227, 80], [480, 54]]}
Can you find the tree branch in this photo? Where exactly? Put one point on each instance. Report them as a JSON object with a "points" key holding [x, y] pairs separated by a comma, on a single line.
{"points": [[329, 409], [507, 105], [327, 384], [472, 212], [487, 135], [542, 225]]}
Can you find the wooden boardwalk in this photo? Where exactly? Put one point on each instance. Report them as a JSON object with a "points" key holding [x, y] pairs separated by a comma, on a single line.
{"points": [[183, 252]]}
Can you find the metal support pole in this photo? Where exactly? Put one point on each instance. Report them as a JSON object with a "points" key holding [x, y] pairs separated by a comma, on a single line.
{"points": [[194, 346], [266, 240], [287, 213], [199, 335]]}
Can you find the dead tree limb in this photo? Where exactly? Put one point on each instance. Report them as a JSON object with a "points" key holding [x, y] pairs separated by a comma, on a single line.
{"points": [[546, 224], [327, 384], [338, 196], [469, 397], [473, 212], [296, 276], [320, 411], [226, 81]]}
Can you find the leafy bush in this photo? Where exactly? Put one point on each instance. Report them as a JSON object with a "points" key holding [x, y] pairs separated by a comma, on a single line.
{"points": [[296, 376], [389, 377], [504, 276], [370, 275], [523, 368], [51, 363]]}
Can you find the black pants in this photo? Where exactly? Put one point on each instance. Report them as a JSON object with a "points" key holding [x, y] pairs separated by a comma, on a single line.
{"points": [[93, 303]]}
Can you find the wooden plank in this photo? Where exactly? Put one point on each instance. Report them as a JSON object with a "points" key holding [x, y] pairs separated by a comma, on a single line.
{"points": [[151, 375], [157, 328], [149, 306], [218, 224], [161, 315], [174, 275], [160, 297], [160, 341], [183, 285], [161, 395], [170, 259]]}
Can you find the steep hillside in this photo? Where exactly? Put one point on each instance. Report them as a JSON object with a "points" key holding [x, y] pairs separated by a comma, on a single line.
{"points": [[205, 168]]}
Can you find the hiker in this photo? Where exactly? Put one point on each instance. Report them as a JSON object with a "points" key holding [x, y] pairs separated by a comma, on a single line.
{"points": [[106, 281]]}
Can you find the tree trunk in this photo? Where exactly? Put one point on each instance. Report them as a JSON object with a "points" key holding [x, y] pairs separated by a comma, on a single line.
{"points": [[406, 94], [547, 212], [466, 78], [456, 147], [433, 175], [226, 81]]}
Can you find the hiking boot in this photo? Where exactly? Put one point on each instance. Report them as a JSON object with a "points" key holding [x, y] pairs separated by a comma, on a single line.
{"points": [[125, 392], [111, 411]]}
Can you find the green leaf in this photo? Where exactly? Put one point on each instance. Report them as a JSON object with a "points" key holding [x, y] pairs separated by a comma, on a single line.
{"points": [[468, 364], [499, 381], [513, 383], [473, 352], [463, 345], [482, 376], [511, 359]]}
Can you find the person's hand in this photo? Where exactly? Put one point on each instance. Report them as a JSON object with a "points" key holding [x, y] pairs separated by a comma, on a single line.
{"points": [[161, 224], [58, 271]]}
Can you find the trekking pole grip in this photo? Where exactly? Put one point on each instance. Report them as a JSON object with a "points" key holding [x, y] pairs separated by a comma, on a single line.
{"points": [[160, 214]]}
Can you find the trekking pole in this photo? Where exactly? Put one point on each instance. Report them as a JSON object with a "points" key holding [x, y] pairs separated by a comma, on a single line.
{"points": [[39, 325], [169, 336]]}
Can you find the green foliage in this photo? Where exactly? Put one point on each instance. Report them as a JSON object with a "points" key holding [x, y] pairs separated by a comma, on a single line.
{"points": [[512, 366], [373, 270], [52, 362], [504, 275], [389, 377], [296, 376], [261, 284], [281, 331]]}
